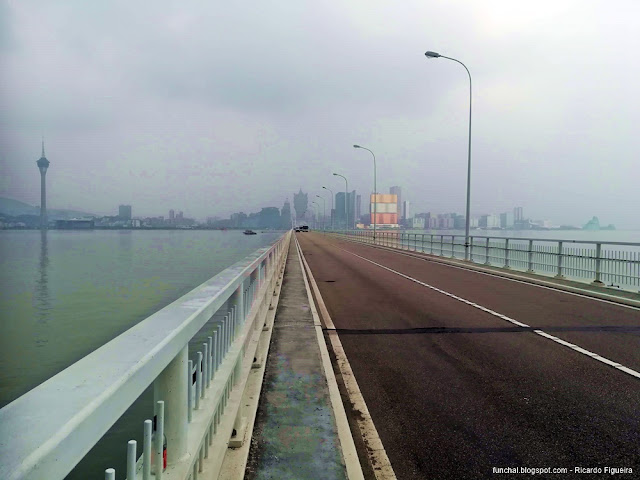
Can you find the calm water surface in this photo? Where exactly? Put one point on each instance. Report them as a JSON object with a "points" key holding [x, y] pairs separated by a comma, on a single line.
{"points": [[65, 293]]}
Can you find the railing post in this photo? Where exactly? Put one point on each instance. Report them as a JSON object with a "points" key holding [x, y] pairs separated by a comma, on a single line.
{"points": [[559, 274], [431, 245], [237, 300], [131, 459], [146, 450], [506, 253], [530, 269], [597, 281], [441, 246], [486, 253], [158, 448], [171, 387]]}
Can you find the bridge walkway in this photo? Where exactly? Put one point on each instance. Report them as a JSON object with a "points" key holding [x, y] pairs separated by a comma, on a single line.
{"points": [[296, 434]]}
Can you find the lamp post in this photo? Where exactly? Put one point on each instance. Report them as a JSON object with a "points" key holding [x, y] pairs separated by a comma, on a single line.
{"points": [[375, 191], [317, 215], [324, 210], [468, 219], [346, 195], [330, 191]]}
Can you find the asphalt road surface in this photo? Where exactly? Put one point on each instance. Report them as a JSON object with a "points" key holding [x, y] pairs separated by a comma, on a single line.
{"points": [[455, 390]]}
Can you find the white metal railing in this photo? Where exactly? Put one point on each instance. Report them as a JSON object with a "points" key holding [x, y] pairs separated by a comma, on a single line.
{"points": [[47, 431], [615, 264]]}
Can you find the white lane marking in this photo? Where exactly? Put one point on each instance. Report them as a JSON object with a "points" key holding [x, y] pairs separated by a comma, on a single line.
{"points": [[559, 341], [376, 453], [443, 261]]}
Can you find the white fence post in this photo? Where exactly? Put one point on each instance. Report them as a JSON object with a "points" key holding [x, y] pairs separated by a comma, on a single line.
{"points": [[559, 274], [171, 387], [597, 281], [506, 253]]}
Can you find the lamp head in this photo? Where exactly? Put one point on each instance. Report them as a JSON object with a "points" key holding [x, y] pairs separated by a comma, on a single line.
{"points": [[431, 54], [357, 146], [335, 174]]}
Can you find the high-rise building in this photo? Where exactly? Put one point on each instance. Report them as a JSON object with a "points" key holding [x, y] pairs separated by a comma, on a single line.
{"points": [[517, 214], [398, 191], [300, 204], [124, 212], [358, 207], [405, 211], [506, 220], [172, 216], [350, 211], [386, 210], [43, 165], [285, 216]]}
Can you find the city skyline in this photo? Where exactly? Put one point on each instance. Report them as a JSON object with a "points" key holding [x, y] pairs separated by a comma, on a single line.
{"points": [[131, 112]]}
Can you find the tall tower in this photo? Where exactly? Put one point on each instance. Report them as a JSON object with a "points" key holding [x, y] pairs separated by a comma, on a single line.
{"points": [[43, 164]]}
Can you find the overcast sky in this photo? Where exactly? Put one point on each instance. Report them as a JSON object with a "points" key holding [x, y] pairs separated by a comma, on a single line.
{"points": [[217, 107]]}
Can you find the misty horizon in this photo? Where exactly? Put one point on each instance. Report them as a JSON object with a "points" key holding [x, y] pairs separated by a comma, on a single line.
{"points": [[215, 109]]}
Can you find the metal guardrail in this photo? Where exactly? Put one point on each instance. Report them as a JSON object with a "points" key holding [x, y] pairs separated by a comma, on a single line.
{"points": [[614, 264], [48, 430]]}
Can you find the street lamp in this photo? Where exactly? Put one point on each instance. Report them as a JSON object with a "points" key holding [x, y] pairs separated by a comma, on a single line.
{"points": [[375, 191], [331, 191], [346, 195], [324, 210], [468, 219]]}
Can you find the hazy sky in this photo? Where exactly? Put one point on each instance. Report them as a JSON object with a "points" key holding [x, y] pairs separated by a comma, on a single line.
{"points": [[216, 107]]}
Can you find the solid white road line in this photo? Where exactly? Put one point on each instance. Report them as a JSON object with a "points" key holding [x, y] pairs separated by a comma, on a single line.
{"points": [[559, 341], [376, 453]]}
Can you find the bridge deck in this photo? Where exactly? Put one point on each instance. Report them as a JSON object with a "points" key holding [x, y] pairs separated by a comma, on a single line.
{"points": [[463, 371]]}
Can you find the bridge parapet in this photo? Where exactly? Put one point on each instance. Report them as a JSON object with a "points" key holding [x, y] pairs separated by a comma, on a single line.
{"points": [[47, 431], [613, 264]]}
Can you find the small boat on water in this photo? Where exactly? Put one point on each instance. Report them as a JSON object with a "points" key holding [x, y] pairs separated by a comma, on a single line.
{"points": [[249, 232]]}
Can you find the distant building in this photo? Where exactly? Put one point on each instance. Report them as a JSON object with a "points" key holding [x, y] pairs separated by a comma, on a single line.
{"points": [[75, 224], [490, 221], [518, 215], [405, 212], [124, 212], [358, 206], [417, 223], [386, 210], [269, 218], [285, 216], [506, 220], [172, 216], [396, 190], [340, 208], [300, 204]]}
